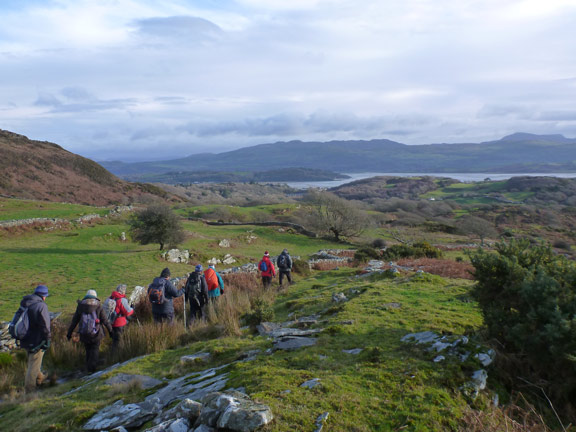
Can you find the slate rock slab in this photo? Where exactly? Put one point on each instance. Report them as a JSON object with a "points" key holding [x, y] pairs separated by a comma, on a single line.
{"points": [[144, 381], [294, 342], [118, 414]]}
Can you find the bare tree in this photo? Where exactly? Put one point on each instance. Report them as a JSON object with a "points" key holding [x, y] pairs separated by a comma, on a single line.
{"points": [[156, 224], [476, 227], [336, 215]]}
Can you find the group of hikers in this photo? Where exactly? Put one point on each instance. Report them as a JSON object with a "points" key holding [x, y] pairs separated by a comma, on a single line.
{"points": [[31, 323]]}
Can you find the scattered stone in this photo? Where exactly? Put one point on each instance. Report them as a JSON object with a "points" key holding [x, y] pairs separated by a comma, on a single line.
{"points": [[391, 305], [313, 383], [294, 342], [276, 331], [225, 243], [228, 259], [138, 294], [204, 428], [354, 351], [145, 382], [421, 338], [486, 358], [480, 378], [214, 261], [233, 411], [339, 298], [439, 359], [176, 256], [200, 357], [123, 236], [321, 421]]}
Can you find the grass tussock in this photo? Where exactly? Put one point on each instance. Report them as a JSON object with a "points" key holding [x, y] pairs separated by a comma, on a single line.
{"points": [[328, 265]]}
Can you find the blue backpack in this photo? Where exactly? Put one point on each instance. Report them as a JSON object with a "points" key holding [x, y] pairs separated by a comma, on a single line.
{"points": [[262, 266], [89, 324]]}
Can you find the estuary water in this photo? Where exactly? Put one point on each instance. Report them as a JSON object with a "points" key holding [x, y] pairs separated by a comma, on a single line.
{"points": [[463, 177]]}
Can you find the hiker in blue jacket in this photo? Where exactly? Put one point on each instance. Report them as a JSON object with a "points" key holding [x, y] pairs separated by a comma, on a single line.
{"points": [[90, 319], [161, 293], [37, 339]]}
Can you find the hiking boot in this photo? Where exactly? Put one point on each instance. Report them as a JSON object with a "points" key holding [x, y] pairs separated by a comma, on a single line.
{"points": [[40, 379]]}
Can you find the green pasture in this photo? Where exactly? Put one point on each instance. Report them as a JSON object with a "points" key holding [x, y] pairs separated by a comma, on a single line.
{"points": [[94, 257], [25, 209]]}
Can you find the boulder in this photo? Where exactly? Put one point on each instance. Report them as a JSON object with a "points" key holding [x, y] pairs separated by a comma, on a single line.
{"points": [[233, 411], [339, 298], [228, 259], [200, 357], [173, 425], [354, 351], [313, 383], [225, 243], [176, 256], [321, 421], [294, 342]]}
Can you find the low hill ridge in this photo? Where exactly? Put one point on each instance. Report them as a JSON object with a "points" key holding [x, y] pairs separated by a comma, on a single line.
{"points": [[45, 171]]}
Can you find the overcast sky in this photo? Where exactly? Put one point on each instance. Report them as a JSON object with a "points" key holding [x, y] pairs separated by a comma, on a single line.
{"points": [[146, 80]]}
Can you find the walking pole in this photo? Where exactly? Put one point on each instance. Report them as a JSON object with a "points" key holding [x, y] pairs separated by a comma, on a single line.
{"points": [[185, 327]]}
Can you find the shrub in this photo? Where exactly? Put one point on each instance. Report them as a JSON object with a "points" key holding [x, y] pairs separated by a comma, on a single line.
{"points": [[366, 253], [561, 244], [527, 295], [417, 250], [378, 243], [262, 311], [301, 267]]}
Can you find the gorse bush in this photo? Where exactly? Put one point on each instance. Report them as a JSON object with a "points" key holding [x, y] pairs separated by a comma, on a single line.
{"points": [[367, 253], [527, 295], [417, 250]]}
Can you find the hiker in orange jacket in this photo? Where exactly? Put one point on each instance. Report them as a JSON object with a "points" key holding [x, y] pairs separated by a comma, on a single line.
{"points": [[214, 282], [267, 270]]}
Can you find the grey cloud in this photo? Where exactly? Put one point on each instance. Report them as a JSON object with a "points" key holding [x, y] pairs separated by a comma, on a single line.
{"points": [[179, 28], [504, 110], [567, 115], [78, 94], [48, 100]]}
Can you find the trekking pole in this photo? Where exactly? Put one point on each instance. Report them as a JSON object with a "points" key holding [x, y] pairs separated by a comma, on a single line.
{"points": [[184, 302]]}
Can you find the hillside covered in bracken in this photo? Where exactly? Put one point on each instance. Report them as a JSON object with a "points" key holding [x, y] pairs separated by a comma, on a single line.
{"points": [[45, 171]]}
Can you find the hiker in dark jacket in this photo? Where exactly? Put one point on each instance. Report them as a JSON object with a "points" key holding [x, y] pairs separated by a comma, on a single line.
{"points": [[37, 339], [91, 318], [284, 262], [196, 292], [164, 312], [123, 311]]}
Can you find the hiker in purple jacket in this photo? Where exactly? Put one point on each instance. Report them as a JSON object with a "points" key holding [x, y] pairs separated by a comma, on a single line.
{"points": [[90, 318]]}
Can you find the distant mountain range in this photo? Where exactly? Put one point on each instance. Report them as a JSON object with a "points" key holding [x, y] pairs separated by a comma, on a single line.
{"points": [[516, 153], [45, 171]]}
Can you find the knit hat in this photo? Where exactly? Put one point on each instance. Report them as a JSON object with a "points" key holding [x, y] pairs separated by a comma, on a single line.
{"points": [[165, 272], [199, 268], [121, 288], [41, 290], [266, 253], [285, 251], [91, 293], [212, 266]]}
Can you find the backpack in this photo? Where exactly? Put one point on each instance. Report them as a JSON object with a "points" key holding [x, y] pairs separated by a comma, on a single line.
{"points": [[109, 307], [156, 292], [282, 261], [263, 266], [194, 286], [89, 324], [20, 324]]}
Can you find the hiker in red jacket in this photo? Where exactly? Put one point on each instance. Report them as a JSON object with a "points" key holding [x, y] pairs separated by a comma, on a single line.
{"points": [[267, 270], [122, 312]]}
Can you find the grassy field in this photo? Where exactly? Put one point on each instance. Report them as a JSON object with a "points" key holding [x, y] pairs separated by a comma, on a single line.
{"points": [[25, 209], [388, 386], [95, 257]]}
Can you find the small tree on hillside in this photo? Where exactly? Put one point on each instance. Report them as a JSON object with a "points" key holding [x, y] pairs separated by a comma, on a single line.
{"points": [[156, 224], [336, 215], [475, 226]]}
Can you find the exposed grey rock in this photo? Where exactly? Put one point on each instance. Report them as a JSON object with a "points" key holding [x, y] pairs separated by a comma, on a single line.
{"points": [[346, 322], [305, 322], [119, 429], [339, 298], [354, 351], [321, 421], [224, 243], [439, 359], [118, 414], [204, 428], [421, 338], [200, 357], [144, 381], [172, 425], [123, 236], [480, 378], [294, 342], [313, 383], [214, 261], [192, 386], [138, 294], [486, 358], [228, 259], [233, 411], [276, 331], [186, 409], [176, 256]]}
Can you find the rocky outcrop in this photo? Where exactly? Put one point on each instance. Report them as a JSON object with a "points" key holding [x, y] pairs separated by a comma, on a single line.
{"points": [[176, 256]]}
